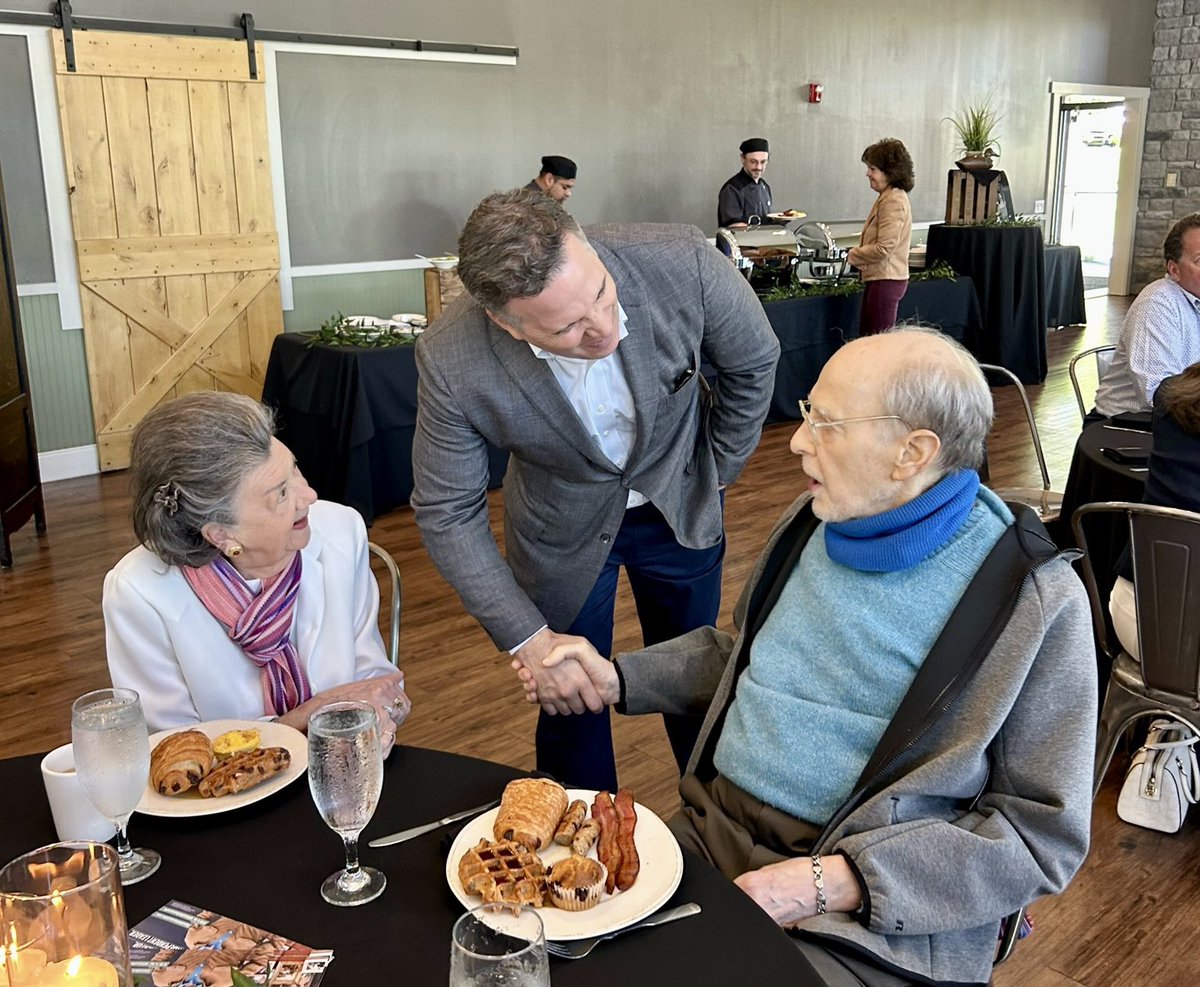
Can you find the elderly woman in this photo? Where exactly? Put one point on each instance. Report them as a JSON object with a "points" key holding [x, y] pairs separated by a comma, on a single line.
{"points": [[247, 598], [882, 252]]}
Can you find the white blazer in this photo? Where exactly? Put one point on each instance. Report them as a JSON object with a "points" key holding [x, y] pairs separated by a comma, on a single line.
{"points": [[162, 642]]}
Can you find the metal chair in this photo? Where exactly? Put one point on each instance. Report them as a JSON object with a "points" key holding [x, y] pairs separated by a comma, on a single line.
{"points": [[1103, 356], [1045, 501], [1165, 543], [1010, 932], [394, 644]]}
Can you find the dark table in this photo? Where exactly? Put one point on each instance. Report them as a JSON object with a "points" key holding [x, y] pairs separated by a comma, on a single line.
{"points": [[264, 864], [348, 414], [1007, 264], [811, 330], [1065, 304]]}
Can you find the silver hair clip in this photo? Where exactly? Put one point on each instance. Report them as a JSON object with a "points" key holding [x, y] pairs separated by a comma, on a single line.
{"points": [[167, 497]]}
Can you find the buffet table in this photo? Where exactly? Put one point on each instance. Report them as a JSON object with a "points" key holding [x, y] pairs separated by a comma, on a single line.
{"points": [[811, 330], [348, 415], [1007, 264], [264, 864], [1065, 303]]}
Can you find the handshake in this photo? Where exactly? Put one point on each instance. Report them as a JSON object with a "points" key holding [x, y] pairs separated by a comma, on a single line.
{"points": [[565, 674]]}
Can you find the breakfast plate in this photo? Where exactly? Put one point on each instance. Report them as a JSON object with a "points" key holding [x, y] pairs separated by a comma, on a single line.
{"points": [[787, 214], [192, 803], [658, 851]]}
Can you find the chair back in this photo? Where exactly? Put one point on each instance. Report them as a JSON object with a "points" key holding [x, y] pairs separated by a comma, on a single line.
{"points": [[1165, 546], [394, 610], [991, 368], [1104, 358]]}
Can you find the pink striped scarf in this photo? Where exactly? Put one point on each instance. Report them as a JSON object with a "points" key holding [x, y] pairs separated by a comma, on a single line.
{"points": [[261, 625]]}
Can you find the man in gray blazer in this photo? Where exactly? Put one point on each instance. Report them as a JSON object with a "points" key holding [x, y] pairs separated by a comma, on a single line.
{"points": [[580, 355]]}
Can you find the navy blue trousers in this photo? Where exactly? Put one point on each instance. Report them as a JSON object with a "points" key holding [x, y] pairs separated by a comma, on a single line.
{"points": [[676, 590]]}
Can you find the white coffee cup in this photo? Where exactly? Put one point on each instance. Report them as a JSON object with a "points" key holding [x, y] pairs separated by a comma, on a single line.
{"points": [[75, 818]]}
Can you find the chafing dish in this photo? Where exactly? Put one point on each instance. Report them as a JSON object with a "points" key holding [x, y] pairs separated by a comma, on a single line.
{"points": [[804, 250]]}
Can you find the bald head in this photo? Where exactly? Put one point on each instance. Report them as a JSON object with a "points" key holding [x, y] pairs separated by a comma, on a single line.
{"points": [[927, 379]]}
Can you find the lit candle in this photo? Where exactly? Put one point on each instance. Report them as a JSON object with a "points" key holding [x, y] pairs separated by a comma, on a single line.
{"points": [[78, 971]]}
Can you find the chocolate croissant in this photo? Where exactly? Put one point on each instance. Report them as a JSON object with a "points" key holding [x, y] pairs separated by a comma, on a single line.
{"points": [[179, 761], [530, 810]]}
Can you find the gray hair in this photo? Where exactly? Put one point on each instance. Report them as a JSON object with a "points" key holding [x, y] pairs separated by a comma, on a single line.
{"points": [[511, 246], [188, 460], [948, 395]]}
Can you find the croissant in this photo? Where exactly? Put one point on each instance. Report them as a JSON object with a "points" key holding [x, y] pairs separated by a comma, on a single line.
{"points": [[179, 761], [529, 811]]}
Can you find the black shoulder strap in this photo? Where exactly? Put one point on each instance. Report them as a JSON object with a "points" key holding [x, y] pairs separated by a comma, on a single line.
{"points": [[968, 637]]}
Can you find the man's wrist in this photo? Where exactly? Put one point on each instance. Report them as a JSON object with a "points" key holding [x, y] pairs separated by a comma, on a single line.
{"points": [[513, 651]]}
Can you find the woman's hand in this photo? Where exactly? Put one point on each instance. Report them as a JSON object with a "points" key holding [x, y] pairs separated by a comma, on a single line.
{"points": [[786, 890], [384, 692]]}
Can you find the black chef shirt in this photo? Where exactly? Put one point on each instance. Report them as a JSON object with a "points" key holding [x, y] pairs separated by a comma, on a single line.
{"points": [[742, 197]]}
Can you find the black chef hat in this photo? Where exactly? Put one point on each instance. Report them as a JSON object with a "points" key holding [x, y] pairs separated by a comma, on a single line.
{"points": [[753, 144], [558, 166]]}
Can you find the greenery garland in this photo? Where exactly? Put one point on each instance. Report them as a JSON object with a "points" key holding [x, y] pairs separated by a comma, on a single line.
{"points": [[1014, 221], [337, 330]]}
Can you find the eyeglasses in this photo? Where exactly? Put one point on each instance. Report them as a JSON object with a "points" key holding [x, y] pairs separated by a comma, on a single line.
{"points": [[815, 427]]}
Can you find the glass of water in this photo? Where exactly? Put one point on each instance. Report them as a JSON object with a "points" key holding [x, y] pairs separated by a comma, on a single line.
{"points": [[345, 774], [112, 759], [493, 945]]}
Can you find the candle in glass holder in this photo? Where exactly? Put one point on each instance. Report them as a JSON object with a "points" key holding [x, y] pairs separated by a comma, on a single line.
{"points": [[79, 971]]}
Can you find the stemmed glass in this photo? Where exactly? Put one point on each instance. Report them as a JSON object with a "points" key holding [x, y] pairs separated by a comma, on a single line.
{"points": [[345, 774], [112, 758], [491, 944]]}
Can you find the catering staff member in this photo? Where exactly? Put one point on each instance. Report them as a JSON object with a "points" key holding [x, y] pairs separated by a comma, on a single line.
{"points": [[746, 194], [556, 179]]}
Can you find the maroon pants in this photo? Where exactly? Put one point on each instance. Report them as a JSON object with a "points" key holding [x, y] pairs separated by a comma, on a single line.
{"points": [[880, 300]]}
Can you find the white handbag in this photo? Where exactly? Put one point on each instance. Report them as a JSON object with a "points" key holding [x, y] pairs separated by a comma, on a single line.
{"points": [[1163, 779]]}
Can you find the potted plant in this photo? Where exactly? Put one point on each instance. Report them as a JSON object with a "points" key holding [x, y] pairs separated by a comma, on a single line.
{"points": [[976, 126]]}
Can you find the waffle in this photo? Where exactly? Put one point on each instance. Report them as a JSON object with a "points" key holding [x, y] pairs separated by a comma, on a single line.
{"points": [[504, 871]]}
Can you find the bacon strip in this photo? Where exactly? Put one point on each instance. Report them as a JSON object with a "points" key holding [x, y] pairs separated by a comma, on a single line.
{"points": [[627, 872], [608, 849]]}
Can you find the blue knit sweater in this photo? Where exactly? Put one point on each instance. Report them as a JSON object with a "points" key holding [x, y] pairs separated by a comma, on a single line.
{"points": [[819, 692]]}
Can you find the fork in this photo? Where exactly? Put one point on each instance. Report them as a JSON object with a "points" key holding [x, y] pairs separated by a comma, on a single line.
{"points": [[577, 949]]}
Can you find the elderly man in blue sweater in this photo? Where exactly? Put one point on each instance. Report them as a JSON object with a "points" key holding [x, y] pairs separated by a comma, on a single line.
{"points": [[898, 743]]}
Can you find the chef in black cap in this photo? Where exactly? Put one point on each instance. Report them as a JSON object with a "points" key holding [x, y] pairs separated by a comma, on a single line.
{"points": [[746, 194], [556, 179]]}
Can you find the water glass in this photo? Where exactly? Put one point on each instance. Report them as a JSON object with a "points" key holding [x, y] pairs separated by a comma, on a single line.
{"points": [[492, 945], [112, 759], [345, 775]]}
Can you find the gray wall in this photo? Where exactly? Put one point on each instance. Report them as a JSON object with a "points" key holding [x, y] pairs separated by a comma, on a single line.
{"points": [[20, 160], [652, 99]]}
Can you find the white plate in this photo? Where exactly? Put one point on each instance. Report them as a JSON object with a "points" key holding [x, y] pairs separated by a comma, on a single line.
{"points": [[784, 215], [658, 851], [412, 318], [192, 803]]}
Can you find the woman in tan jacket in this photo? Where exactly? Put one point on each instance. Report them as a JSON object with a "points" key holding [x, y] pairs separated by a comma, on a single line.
{"points": [[882, 252]]}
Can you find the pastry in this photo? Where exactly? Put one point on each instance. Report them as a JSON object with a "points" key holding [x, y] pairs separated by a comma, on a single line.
{"points": [[575, 884], [244, 771], [236, 742], [179, 761], [504, 871], [529, 812]]}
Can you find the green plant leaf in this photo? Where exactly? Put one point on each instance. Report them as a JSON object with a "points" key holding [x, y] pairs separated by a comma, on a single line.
{"points": [[976, 126], [241, 980]]}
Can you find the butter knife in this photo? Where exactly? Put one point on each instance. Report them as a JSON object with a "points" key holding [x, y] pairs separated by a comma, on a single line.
{"points": [[408, 834]]}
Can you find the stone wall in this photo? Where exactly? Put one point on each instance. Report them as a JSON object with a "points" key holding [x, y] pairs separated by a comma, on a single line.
{"points": [[1172, 135]]}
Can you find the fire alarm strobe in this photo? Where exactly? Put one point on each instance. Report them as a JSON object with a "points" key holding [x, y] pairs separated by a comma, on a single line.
{"points": [[815, 92]]}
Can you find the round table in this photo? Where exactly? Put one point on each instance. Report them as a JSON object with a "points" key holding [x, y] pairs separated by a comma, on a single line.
{"points": [[264, 864]]}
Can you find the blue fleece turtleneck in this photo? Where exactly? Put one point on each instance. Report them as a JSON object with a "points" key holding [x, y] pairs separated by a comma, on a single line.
{"points": [[902, 537]]}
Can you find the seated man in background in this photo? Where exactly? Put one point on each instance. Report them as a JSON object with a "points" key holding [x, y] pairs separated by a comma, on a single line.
{"points": [[556, 179], [1161, 334], [888, 797]]}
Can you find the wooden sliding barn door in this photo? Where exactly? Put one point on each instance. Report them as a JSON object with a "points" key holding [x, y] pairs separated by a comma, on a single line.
{"points": [[170, 190]]}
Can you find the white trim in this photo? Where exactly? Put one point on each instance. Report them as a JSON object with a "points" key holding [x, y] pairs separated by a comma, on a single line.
{"points": [[54, 175], [275, 146], [1086, 89], [64, 464], [42, 288], [362, 267]]}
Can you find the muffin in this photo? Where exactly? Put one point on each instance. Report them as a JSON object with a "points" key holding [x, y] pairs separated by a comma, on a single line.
{"points": [[576, 883]]}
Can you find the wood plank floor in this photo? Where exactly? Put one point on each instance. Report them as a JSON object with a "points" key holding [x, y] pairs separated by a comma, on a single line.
{"points": [[1126, 919]]}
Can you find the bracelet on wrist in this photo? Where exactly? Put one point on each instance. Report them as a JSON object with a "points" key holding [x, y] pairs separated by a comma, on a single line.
{"points": [[819, 883]]}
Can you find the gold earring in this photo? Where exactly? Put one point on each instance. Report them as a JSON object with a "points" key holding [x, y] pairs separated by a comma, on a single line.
{"points": [[233, 551]]}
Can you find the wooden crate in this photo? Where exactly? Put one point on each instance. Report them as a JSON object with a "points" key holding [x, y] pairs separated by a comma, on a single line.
{"points": [[972, 196], [441, 288]]}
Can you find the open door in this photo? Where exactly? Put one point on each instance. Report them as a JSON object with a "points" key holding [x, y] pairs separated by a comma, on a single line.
{"points": [[170, 189]]}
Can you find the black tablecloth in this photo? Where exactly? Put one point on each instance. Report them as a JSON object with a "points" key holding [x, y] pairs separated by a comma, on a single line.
{"points": [[264, 864], [1065, 304], [1007, 264], [348, 415], [811, 330]]}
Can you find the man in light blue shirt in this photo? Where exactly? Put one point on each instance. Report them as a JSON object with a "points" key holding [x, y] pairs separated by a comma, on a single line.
{"points": [[1161, 334]]}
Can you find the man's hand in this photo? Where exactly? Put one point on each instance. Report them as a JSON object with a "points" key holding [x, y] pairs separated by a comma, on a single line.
{"points": [[560, 688], [786, 891]]}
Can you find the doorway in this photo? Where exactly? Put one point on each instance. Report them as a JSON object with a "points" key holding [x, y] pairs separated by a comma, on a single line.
{"points": [[1093, 170]]}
